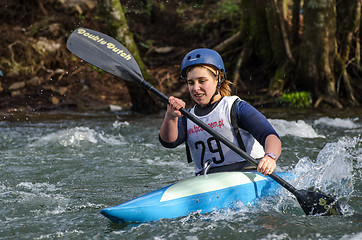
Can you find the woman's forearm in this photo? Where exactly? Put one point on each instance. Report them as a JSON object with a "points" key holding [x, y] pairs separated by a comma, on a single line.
{"points": [[273, 145], [169, 129]]}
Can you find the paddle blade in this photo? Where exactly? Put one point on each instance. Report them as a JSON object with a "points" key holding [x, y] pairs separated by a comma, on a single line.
{"points": [[314, 203], [105, 53]]}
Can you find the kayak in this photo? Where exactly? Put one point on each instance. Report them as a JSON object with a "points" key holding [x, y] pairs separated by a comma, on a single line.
{"points": [[204, 194]]}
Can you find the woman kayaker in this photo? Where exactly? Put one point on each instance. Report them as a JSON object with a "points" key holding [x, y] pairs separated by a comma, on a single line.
{"points": [[204, 72]]}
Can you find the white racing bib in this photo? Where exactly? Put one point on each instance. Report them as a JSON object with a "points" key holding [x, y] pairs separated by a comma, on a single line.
{"points": [[203, 146]]}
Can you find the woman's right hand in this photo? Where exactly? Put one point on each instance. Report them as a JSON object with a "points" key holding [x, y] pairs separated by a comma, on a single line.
{"points": [[174, 107], [169, 129]]}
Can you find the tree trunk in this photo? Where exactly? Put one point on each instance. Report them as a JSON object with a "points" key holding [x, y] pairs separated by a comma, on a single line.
{"points": [[280, 45], [349, 17], [316, 63], [264, 24], [256, 44], [118, 26], [254, 24], [296, 18]]}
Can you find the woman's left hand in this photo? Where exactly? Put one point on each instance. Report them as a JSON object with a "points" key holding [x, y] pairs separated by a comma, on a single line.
{"points": [[266, 165]]}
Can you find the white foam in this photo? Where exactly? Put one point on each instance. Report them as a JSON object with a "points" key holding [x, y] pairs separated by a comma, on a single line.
{"points": [[76, 137], [273, 236], [294, 128], [37, 187], [357, 236], [58, 210], [59, 234], [40, 192], [117, 124], [338, 122]]}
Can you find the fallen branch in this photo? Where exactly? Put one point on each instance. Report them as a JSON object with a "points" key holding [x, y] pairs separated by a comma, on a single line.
{"points": [[228, 43]]}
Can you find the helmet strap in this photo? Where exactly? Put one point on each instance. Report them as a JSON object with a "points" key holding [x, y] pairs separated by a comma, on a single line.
{"points": [[217, 88]]}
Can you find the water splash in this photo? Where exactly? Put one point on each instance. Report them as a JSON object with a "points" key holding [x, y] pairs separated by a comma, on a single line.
{"points": [[294, 128], [334, 170]]}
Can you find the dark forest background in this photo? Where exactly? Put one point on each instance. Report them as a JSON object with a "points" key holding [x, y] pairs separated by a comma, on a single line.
{"points": [[278, 53]]}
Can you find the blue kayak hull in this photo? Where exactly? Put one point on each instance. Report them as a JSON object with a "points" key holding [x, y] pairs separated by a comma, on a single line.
{"points": [[204, 194]]}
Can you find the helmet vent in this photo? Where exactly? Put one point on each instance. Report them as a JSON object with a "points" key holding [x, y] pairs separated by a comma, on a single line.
{"points": [[198, 55], [189, 57]]}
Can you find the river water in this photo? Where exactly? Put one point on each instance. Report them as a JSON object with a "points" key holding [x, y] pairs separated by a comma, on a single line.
{"points": [[57, 171]]}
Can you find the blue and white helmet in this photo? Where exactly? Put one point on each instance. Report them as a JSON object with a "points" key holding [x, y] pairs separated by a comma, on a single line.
{"points": [[203, 56]]}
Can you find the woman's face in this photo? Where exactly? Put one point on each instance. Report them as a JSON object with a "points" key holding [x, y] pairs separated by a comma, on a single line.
{"points": [[202, 85]]}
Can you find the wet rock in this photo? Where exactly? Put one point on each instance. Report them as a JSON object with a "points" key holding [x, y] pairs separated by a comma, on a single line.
{"points": [[44, 45], [17, 85], [34, 82], [79, 6], [54, 100], [115, 108], [48, 87], [164, 50], [16, 93], [55, 29], [61, 90]]}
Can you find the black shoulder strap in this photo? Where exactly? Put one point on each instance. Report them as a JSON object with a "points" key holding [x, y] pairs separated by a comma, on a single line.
{"points": [[188, 153], [234, 123]]}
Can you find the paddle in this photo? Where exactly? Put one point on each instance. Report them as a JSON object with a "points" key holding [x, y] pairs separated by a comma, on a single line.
{"points": [[111, 56]]}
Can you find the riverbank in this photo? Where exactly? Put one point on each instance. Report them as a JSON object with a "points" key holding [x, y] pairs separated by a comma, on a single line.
{"points": [[115, 112]]}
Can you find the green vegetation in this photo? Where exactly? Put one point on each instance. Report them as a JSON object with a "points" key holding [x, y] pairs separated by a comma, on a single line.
{"points": [[227, 8], [96, 68], [296, 99], [223, 16]]}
